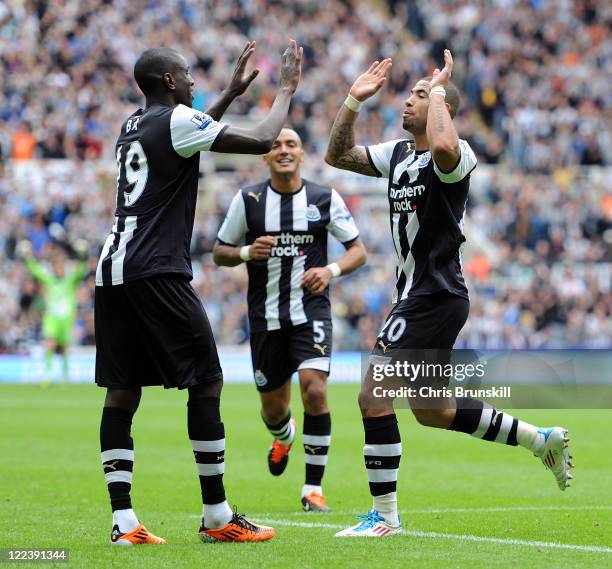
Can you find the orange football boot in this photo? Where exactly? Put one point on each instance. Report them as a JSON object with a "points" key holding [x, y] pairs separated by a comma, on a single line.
{"points": [[238, 529], [278, 456], [315, 502], [138, 536]]}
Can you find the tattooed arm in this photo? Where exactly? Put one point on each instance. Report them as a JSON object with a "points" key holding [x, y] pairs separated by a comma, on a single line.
{"points": [[341, 150], [441, 133]]}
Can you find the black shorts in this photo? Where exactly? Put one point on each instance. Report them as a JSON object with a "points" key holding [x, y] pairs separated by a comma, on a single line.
{"points": [[419, 330], [153, 331], [423, 328], [430, 322], [278, 354]]}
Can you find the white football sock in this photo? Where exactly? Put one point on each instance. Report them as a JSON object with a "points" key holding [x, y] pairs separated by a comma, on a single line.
{"points": [[126, 520], [216, 515], [386, 506], [308, 488], [528, 437], [290, 436]]}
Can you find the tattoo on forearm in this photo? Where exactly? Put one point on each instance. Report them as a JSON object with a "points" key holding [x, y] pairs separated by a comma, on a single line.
{"points": [[355, 160], [342, 151], [439, 109], [342, 138]]}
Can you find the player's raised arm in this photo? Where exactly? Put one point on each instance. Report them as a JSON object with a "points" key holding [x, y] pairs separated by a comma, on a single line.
{"points": [[342, 152], [441, 133], [258, 140], [238, 84]]}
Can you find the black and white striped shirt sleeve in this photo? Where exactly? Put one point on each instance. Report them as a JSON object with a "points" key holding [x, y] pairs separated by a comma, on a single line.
{"points": [[467, 162], [234, 226], [379, 156], [193, 131], [341, 223]]}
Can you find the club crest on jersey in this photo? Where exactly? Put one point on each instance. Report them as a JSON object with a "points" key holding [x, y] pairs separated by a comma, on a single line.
{"points": [[260, 378], [424, 159], [313, 213], [201, 121]]}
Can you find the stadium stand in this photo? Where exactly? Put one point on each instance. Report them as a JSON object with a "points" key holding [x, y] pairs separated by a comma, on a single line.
{"points": [[535, 82]]}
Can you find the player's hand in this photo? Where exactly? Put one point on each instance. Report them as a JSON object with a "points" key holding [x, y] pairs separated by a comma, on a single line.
{"points": [[240, 81], [317, 279], [261, 248], [442, 77], [370, 82], [291, 67], [24, 248]]}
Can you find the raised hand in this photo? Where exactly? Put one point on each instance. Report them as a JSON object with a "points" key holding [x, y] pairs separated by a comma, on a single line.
{"points": [[442, 77], [291, 67], [370, 82], [240, 81]]}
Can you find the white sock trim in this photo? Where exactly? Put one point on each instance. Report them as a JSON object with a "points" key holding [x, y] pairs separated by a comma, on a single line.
{"points": [[527, 437], [386, 505], [216, 515], [308, 488], [126, 520]]}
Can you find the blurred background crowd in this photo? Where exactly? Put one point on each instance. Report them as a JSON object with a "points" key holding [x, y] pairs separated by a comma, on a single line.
{"points": [[535, 79]]}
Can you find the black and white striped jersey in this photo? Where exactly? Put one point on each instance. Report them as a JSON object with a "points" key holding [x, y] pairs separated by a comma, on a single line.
{"points": [[300, 222], [426, 215], [157, 184]]}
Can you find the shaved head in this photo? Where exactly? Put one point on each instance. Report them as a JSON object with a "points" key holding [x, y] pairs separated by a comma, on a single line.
{"points": [[153, 64]]}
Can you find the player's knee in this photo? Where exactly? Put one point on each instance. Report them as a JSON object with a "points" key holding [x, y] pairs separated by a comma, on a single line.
{"points": [[364, 401], [209, 390], [314, 396], [127, 399], [274, 411]]}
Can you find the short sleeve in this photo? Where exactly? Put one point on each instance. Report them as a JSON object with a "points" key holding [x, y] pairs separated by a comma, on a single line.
{"points": [[467, 162], [379, 156], [341, 223], [234, 226], [192, 131]]}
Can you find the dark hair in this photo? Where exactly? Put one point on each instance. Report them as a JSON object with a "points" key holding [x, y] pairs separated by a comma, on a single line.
{"points": [[452, 96], [152, 65]]}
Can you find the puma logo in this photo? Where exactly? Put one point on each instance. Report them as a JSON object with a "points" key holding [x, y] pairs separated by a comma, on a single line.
{"points": [[320, 348], [311, 449], [383, 346], [111, 465], [254, 195]]}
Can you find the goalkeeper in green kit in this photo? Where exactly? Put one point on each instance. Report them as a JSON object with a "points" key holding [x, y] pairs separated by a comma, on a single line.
{"points": [[60, 294]]}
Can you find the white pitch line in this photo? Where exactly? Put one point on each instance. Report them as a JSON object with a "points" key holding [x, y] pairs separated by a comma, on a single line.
{"points": [[452, 510], [461, 537], [504, 509]]}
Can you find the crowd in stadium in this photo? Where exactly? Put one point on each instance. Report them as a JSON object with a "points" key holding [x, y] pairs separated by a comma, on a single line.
{"points": [[530, 71], [534, 77]]}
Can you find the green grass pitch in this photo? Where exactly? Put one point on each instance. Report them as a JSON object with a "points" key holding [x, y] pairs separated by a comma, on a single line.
{"points": [[464, 502]]}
